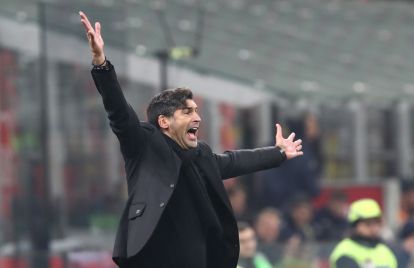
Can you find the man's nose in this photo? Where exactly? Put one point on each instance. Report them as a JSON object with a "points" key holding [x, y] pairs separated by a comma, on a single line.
{"points": [[197, 117]]}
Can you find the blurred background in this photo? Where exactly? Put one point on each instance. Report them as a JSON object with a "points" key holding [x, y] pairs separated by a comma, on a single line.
{"points": [[338, 73]]}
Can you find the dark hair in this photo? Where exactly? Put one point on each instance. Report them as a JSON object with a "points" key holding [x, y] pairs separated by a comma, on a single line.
{"points": [[166, 103], [297, 200], [407, 230], [242, 225], [268, 210]]}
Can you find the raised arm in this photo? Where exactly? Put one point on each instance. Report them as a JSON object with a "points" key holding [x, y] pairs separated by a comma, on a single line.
{"points": [[123, 119], [240, 162]]}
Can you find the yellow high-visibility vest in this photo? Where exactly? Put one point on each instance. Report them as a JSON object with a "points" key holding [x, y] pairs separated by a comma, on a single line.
{"points": [[379, 256]]}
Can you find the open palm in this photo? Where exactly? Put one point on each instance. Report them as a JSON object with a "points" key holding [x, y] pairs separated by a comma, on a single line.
{"points": [[96, 42], [292, 148]]}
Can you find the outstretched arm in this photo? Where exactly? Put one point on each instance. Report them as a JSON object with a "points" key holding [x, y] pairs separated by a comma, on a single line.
{"points": [[240, 162], [123, 119]]}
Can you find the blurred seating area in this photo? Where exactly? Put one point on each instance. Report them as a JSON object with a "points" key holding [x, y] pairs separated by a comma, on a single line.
{"points": [[316, 47]]}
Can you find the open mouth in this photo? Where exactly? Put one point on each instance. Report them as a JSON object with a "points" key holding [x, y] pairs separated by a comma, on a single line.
{"points": [[192, 133]]}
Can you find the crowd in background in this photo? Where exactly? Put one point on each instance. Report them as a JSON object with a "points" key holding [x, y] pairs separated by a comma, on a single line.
{"points": [[280, 225], [300, 235]]}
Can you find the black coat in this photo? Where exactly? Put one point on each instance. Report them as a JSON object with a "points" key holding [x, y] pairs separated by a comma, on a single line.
{"points": [[152, 170]]}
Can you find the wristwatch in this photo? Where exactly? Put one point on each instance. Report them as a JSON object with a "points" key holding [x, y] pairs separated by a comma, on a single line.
{"points": [[103, 66], [282, 152]]}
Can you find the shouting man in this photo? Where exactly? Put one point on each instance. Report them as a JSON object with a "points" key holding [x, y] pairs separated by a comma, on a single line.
{"points": [[177, 214]]}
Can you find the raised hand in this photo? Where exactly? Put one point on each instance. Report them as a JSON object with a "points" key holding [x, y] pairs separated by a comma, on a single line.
{"points": [[291, 147], [96, 42]]}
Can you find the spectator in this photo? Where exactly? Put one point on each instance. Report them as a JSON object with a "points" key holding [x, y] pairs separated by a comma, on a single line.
{"points": [[405, 249], [238, 196], [330, 222], [267, 226], [249, 256], [407, 201], [299, 176], [299, 220]]}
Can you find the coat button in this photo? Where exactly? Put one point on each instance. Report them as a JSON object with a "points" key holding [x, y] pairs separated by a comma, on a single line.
{"points": [[172, 185], [162, 204]]}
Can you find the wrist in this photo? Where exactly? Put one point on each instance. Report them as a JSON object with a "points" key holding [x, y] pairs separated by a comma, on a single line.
{"points": [[282, 152], [99, 60]]}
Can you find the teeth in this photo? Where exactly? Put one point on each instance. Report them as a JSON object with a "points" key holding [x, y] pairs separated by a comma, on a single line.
{"points": [[193, 130]]}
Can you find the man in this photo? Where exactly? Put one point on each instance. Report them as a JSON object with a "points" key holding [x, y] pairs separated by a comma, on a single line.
{"points": [[177, 213], [249, 257], [268, 225], [404, 250], [238, 200], [364, 248], [330, 221], [299, 220]]}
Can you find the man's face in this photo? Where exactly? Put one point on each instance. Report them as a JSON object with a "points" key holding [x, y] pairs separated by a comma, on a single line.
{"points": [[338, 208], [268, 227], [302, 214], [248, 243], [370, 228], [183, 126]]}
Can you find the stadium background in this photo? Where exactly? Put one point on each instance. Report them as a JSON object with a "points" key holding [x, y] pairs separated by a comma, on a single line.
{"points": [[347, 65]]}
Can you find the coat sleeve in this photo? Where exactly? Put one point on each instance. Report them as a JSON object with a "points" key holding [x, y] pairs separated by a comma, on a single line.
{"points": [[241, 162], [123, 120]]}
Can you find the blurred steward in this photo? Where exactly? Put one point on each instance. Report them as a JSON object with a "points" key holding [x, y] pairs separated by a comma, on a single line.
{"points": [[249, 256], [300, 176], [364, 247], [330, 223], [267, 225]]}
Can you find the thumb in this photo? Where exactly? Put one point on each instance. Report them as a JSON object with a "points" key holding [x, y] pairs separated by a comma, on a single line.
{"points": [[278, 131]]}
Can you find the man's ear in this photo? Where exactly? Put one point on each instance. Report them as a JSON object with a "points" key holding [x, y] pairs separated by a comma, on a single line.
{"points": [[163, 122]]}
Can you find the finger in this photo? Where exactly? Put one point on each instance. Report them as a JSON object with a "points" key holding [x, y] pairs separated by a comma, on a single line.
{"points": [[279, 132], [299, 153], [87, 24], [291, 136], [299, 147], [83, 16], [297, 142], [98, 28]]}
